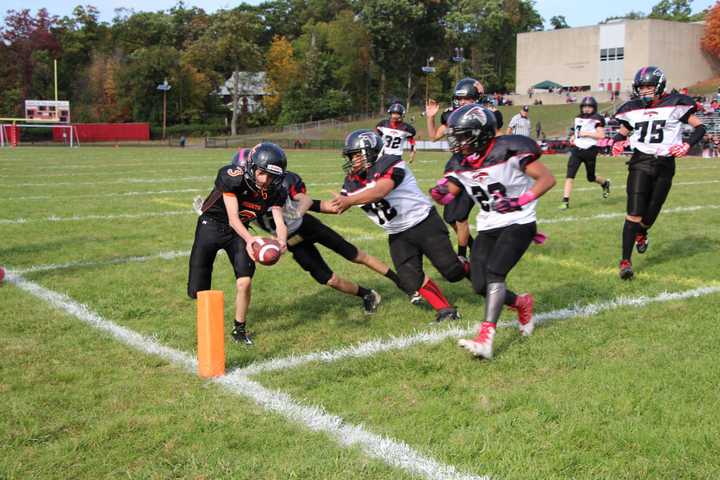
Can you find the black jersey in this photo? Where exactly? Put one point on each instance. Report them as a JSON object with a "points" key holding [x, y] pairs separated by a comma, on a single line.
{"points": [[658, 126], [231, 180]]}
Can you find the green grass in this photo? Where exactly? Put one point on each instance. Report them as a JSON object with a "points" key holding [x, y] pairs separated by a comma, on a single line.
{"points": [[629, 393]]}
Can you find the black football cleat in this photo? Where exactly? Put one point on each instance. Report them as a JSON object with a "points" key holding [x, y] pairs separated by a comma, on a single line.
{"points": [[606, 188], [449, 313], [626, 271], [416, 299], [239, 335], [371, 302], [642, 242]]}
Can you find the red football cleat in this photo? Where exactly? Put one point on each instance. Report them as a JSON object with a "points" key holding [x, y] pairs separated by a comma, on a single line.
{"points": [[641, 242], [626, 271], [482, 344], [524, 307]]}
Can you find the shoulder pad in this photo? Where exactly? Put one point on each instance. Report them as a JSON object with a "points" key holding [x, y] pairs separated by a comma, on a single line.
{"points": [[630, 105], [230, 178], [453, 163], [293, 184], [677, 99], [383, 164]]}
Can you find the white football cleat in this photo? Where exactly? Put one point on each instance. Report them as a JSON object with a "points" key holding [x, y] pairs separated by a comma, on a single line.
{"points": [[482, 344]]}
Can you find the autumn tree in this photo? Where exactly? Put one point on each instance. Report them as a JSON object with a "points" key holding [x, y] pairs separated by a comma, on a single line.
{"points": [[282, 70], [710, 41]]}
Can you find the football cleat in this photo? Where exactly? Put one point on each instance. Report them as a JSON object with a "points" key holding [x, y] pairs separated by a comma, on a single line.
{"points": [[371, 302], [564, 205], [524, 308], [606, 188], [239, 335], [626, 271], [482, 344], [449, 313], [641, 242], [416, 299]]}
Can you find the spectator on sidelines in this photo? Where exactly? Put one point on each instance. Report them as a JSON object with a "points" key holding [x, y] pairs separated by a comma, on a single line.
{"points": [[520, 123]]}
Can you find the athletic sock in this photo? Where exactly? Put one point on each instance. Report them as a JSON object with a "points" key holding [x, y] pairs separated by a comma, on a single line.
{"points": [[240, 326], [470, 242], [630, 230], [432, 294], [510, 298], [462, 250], [566, 199], [394, 277], [362, 291]]}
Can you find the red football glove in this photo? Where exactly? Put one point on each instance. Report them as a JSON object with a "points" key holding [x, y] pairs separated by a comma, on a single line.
{"points": [[618, 148], [440, 192], [679, 150]]}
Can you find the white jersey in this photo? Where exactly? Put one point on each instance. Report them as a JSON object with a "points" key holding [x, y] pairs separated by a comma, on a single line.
{"points": [[501, 170], [587, 124], [404, 207], [658, 127], [395, 136]]}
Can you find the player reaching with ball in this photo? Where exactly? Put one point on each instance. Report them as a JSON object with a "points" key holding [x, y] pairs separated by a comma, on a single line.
{"points": [[240, 195]]}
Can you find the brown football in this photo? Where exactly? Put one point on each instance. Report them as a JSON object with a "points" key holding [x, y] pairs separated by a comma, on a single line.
{"points": [[267, 251]]}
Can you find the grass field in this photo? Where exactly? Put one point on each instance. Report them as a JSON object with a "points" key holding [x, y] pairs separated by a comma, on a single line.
{"points": [[624, 388]]}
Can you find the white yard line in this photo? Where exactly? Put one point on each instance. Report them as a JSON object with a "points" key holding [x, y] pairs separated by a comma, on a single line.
{"points": [[99, 263], [110, 194], [394, 453], [601, 216], [118, 181], [621, 187], [81, 218], [373, 347]]}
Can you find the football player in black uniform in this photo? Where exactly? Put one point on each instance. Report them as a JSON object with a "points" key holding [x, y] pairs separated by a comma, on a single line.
{"points": [[395, 132], [386, 190], [456, 213], [505, 178], [239, 196], [652, 124], [588, 128]]}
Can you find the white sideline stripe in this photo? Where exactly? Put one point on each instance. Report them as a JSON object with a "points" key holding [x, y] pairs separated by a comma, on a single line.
{"points": [[119, 181], [80, 218], [692, 208], [392, 452], [675, 184], [98, 195], [116, 261], [373, 347]]}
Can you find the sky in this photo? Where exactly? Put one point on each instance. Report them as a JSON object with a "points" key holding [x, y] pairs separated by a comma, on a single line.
{"points": [[577, 13]]}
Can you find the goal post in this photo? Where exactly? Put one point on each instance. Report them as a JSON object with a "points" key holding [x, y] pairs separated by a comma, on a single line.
{"points": [[10, 133]]}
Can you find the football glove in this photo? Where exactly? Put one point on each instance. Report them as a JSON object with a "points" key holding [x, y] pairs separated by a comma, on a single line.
{"points": [[441, 193], [679, 150], [618, 148]]}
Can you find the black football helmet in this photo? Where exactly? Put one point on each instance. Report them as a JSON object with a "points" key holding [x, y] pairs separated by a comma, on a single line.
{"points": [[588, 102], [363, 141], [269, 158], [470, 126], [649, 76], [240, 158], [396, 107], [465, 88]]}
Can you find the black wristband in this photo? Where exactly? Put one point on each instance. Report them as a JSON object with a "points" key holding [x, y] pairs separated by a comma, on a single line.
{"points": [[315, 207], [697, 135], [619, 137]]}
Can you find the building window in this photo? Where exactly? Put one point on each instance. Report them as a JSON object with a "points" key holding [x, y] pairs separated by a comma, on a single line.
{"points": [[603, 55], [611, 54], [620, 53]]}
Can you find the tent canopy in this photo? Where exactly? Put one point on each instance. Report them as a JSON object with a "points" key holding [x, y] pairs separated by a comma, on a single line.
{"points": [[546, 85]]}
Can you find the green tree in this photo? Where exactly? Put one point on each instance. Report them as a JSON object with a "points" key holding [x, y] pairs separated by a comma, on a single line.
{"points": [[558, 22]]}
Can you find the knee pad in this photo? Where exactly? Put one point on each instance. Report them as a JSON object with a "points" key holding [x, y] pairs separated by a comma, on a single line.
{"points": [[455, 272], [493, 277], [410, 279]]}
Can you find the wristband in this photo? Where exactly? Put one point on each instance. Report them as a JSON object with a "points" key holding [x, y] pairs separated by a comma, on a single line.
{"points": [[315, 207], [526, 198]]}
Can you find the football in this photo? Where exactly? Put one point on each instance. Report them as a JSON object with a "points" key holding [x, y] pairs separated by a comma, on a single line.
{"points": [[267, 251]]}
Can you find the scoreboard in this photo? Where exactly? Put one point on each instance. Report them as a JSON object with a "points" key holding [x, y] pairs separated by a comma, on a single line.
{"points": [[48, 110]]}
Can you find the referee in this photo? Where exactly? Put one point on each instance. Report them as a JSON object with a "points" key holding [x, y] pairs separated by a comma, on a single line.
{"points": [[520, 123]]}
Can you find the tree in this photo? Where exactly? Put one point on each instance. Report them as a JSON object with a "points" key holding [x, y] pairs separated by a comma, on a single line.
{"points": [[631, 15], [558, 22], [676, 10], [389, 23], [282, 71], [710, 41]]}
